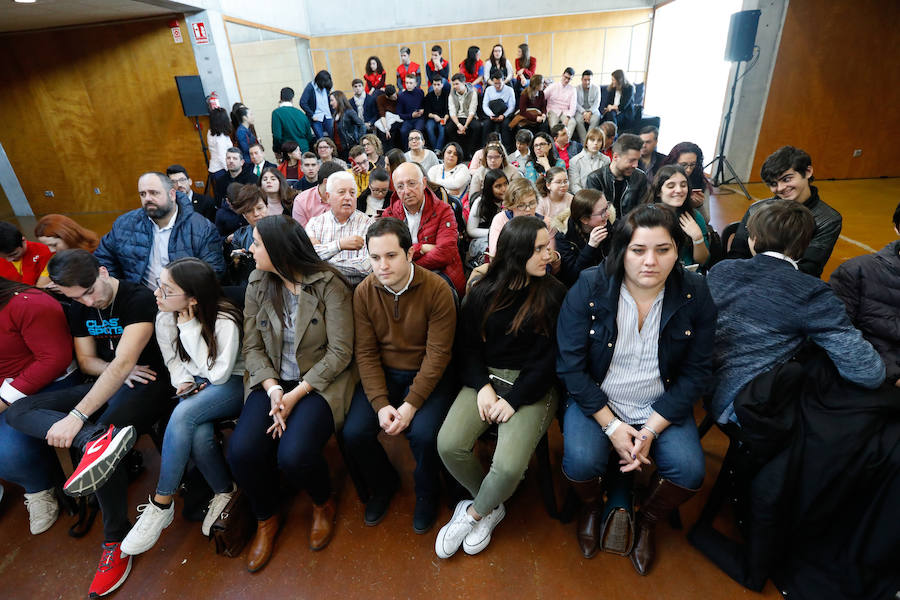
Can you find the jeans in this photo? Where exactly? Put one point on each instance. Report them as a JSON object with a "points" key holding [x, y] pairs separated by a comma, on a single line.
{"points": [[516, 441], [255, 457], [140, 406], [323, 128], [361, 431], [434, 133], [27, 461], [587, 451], [190, 433], [407, 126]]}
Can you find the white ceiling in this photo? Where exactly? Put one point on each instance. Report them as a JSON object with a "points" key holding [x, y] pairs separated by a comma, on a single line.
{"points": [[45, 14]]}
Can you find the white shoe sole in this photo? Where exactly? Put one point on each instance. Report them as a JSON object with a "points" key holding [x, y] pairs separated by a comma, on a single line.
{"points": [[93, 478], [463, 505], [132, 547], [119, 582], [472, 549]]}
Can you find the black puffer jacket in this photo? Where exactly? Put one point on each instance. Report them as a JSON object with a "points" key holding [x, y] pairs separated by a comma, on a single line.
{"points": [[870, 288]]}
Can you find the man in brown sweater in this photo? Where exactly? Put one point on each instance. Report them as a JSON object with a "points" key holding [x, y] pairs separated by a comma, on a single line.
{"points": [[405, 319]]}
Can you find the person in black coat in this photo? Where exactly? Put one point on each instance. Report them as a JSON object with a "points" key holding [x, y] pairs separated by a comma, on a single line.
{"points": [[348, 127], [584, 242], [869, 285], [202, 203], [620, 112]]}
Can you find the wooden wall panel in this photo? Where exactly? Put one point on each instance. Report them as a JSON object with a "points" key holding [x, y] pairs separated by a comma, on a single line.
{"points": [[835, 88], [94, 107]]}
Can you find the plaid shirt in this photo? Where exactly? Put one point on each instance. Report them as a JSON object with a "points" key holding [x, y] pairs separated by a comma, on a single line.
{"points": [[328, 232]]}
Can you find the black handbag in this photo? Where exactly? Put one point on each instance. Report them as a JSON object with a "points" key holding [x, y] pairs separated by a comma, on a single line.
{"points": [[233, 527]]}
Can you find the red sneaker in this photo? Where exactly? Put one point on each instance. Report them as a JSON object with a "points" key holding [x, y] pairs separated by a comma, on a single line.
{"points": [[112, 571], [100, 459]]}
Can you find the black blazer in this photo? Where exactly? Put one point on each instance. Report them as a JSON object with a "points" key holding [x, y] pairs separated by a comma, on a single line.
{"points": [[204, 205]]}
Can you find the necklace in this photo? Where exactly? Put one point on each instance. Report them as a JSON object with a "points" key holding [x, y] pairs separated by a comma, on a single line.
{"points": [[100, 315]]}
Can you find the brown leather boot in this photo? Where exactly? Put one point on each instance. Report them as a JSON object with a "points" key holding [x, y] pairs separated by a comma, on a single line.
{"points": [[664, 497], [588, 531], [322, 524], [263, 543]]}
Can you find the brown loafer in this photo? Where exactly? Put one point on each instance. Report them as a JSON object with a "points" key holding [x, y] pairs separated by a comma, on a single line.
{"points": [[263, 543], [322, 524]]}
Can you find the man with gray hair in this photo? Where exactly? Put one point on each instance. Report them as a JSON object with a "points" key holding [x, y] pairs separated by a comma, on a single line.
{"points": [[339, 234], [165, 228]]}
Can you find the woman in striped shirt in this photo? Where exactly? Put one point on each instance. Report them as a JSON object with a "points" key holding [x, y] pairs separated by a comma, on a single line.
{"points": [[635, 340]]}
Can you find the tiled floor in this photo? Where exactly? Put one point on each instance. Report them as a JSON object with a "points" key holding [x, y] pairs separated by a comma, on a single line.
{"points": [[531, 555]]}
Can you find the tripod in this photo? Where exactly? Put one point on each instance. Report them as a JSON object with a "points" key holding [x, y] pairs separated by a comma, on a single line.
{"points": [[719, 177], [205, 152]]}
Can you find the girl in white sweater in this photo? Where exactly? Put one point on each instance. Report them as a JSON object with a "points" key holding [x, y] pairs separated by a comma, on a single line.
{"points": [[199, 334]]}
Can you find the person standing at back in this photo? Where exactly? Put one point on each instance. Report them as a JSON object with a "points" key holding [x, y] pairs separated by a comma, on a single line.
{"points": [[291, 123]]}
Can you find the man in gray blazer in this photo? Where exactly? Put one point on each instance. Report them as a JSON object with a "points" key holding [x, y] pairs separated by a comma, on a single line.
{"points": [[587, 111]]}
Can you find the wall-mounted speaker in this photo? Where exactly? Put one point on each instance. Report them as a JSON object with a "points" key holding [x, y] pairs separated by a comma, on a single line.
{"points": [[742, 35]]}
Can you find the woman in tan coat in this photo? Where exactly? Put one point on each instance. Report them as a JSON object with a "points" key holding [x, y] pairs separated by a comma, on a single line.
{"points": [[298, 351]]}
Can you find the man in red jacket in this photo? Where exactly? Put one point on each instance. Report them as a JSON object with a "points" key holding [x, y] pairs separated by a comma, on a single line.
{"points": [[431, 223]]}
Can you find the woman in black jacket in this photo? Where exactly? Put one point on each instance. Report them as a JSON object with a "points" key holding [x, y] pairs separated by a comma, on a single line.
{"points": [[584, 241], [620, 95], [635, 340], [348, 127]]}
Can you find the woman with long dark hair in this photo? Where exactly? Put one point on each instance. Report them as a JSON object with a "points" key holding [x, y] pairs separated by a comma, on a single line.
{"points": [[542, 158], [59, 232], [218, 138], [298, 349], [279, 195], [690, 157], [525, 67], [35, 356], [583, 240], [620, 110], [243, 136], [507, 338], [498, 60], [348, 127], [375, 76], [199, 333], [672, 188], [635, 352], [485, 205], [472, 68]]}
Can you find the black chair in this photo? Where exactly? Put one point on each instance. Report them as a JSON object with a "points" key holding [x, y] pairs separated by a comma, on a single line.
{"points": [[639, 119], [728, 235]]}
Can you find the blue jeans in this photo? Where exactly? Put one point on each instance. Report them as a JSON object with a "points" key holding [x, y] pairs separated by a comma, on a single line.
{"points": [[190, 434], [323, 128], [255, 457], [586, 450], [361, 431], [434, 133], [27, 461]]}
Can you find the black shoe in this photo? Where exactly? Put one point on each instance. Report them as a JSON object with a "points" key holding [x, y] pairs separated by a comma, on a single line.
{"points": [[425, 514], [377, 506]]}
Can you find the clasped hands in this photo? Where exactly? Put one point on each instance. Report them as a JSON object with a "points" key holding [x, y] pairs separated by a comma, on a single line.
{"points": [[491, 407], [281, 406], [395, 420], [632, 446]]}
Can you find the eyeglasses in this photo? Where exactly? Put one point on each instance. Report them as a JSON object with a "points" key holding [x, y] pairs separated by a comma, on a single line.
{"points": [[407, 184], [687, 166], [526, 206], [415, 138], [162, 291], [602, 213], [178, 180], [541, 144]]}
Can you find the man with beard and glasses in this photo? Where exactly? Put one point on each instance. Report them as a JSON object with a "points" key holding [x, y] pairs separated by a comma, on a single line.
{"points": [[165, 228]]}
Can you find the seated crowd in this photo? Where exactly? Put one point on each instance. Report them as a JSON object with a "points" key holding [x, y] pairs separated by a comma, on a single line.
{"points": [[328, 295]]}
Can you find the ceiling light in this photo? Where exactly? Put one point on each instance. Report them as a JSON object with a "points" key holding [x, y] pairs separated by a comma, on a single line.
{"points": [[26, 1]]}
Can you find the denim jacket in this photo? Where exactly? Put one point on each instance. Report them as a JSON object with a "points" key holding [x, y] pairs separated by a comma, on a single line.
{"points": [[587, 331]]}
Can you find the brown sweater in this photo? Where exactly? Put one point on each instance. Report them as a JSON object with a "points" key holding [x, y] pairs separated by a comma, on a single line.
{"points": [[412, 332], [385, 104]]}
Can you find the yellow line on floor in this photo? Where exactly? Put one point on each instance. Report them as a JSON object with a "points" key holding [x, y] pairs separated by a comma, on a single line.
{"points": [[860, 244]]}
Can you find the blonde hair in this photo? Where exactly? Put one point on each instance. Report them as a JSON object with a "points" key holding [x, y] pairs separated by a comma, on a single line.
{"points": [[519, 188]]}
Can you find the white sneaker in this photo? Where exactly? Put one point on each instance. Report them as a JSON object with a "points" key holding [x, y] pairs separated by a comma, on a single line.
{"points": [[148, 528], [43, 510], [216, 506], [480, 536], [453, 533]]}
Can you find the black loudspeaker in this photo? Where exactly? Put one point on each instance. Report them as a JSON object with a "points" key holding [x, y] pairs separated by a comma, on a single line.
{"points": [[742, 35], [193, 100]]}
